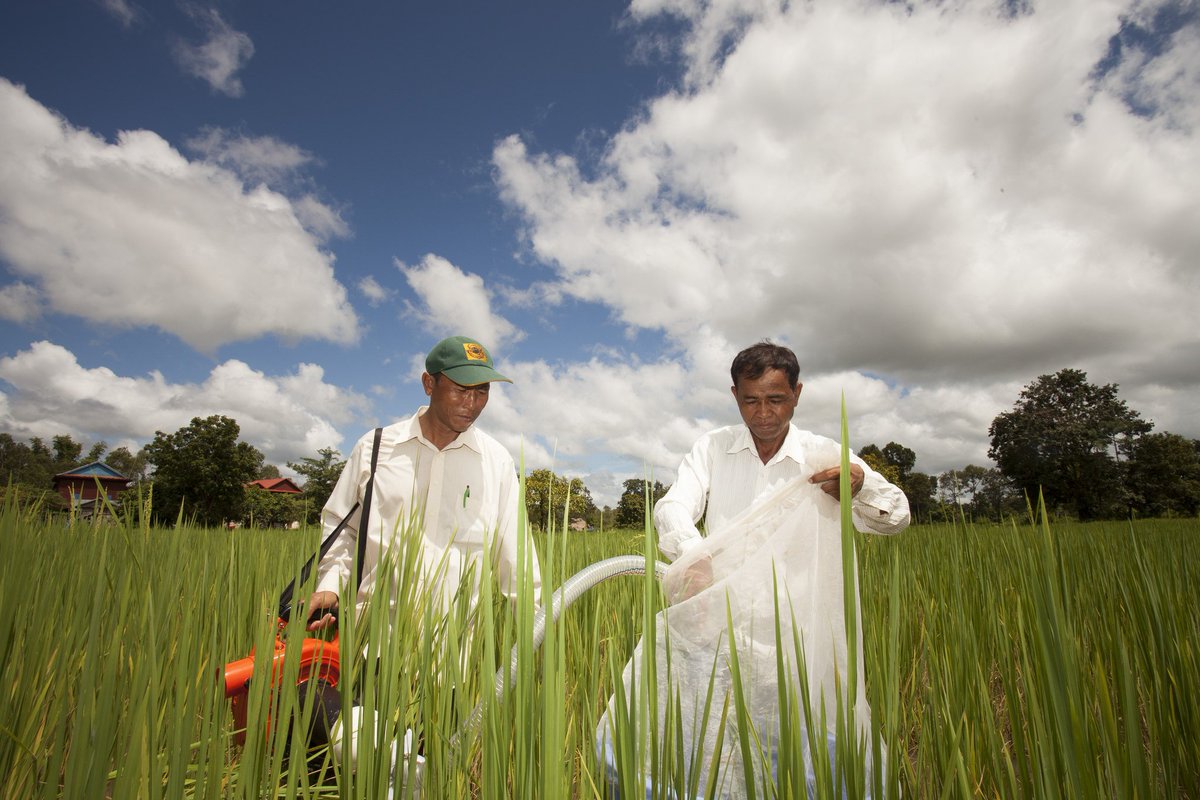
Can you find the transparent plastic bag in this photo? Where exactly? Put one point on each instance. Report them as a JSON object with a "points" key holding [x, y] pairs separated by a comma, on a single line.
{"points": [[788, 543]]}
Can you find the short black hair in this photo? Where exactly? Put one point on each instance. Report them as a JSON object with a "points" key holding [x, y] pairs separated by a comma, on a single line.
{"points": [[756, 359]]}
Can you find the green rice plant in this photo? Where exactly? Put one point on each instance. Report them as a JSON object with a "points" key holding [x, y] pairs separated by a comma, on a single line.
{"points": [[1051, 651], [1008, 660]]}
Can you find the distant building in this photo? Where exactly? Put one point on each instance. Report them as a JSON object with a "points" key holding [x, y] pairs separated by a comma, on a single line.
{"points": [[86, 487], [278, 485], [282, 486]]}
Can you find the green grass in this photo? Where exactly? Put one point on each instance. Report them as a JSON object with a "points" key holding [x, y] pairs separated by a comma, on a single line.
{"points": [[1001, 661], [1045, 662]]}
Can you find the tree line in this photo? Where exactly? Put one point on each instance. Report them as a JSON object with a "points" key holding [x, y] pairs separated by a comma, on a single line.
{"points": [[200, 472], [1074, 444], [556, 500]]}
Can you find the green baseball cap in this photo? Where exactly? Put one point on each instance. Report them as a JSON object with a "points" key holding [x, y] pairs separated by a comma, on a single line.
{"points": [[462, 360]]}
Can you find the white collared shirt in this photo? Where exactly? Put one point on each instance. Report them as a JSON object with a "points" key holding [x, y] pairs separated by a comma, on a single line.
{"points": [[722, 476], [463, 497]]}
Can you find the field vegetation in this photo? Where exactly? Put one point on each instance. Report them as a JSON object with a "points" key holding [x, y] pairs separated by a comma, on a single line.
{"points": [[1014, 660]]}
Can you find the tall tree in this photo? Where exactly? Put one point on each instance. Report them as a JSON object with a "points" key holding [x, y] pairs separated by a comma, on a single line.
{"points": [[67, 453], [895, 463], [96, 453], [204, 467], [66, 449], [268, 471], [631, 508], [131, 465], [959, 486], [920, 489], [950, 488], [995, 497], [263, 509], [22, 463], [35, 464], [546, 498], [876, 461], [901, 457], [1063, 437], [582, 504], [972, 478], [27, 475], [321, 475], [1164, 475]]}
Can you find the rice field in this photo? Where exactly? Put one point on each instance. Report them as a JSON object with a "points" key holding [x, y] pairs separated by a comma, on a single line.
{"points": [[1001, 661]]}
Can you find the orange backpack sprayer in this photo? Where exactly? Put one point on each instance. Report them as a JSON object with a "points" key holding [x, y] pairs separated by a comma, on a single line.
{"points": [[320, 659], [320, 668]]}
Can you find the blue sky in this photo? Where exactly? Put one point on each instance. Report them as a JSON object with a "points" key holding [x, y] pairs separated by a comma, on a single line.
{"points": [[272, 212]]}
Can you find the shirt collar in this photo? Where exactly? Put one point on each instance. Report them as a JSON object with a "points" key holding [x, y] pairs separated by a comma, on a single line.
{"points": [[412, 430], [792, 447]]}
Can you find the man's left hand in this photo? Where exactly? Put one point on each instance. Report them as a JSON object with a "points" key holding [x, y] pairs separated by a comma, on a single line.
{"points": [[830, 480]]}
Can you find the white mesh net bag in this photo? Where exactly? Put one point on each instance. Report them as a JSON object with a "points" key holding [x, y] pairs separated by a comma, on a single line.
{"points": [[789, 543]]}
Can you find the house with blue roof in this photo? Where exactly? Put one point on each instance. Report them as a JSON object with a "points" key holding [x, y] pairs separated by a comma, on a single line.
{"points": [[83, 487]]}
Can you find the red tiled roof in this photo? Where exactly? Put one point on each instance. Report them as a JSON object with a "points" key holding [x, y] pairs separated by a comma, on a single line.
{"points": [[284, 485]]}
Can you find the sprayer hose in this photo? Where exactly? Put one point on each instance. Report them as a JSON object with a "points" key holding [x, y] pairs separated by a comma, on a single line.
{"points": [[564, 597]]}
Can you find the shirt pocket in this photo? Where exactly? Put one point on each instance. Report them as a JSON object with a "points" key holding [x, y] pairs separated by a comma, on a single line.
{"points": [[470, 526]]}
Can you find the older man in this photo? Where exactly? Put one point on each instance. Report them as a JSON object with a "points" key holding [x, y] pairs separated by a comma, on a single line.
{"points": [[729, 468], [435, 468], [768, 570]]}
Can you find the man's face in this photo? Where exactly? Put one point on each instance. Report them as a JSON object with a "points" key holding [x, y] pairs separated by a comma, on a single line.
{"points": [[452, 406], [767, 404]]}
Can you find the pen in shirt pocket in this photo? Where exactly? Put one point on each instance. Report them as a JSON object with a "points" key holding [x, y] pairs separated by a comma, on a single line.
{"points": [[466, 495]]}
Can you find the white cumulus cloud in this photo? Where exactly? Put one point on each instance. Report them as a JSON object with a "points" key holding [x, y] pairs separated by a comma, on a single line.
{"points": [[931, 203], [374, 291], [132, 233], [220, 56], [20, 302], [276, 164], [456, 302], [123, 11], [287, 417], [264, 159]]}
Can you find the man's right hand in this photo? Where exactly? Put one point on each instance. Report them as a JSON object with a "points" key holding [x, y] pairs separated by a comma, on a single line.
{"points": [[696, 578], [319, 602]]}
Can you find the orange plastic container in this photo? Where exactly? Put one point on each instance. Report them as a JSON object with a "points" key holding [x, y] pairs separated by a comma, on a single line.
{"points": [[319, 660]]}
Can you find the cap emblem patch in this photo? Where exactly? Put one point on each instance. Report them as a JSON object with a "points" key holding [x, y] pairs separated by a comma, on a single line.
{"points": [[475, 352]]}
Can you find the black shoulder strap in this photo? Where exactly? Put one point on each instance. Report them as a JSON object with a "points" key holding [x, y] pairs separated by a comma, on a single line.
{"points": [[285, 598], [366, 508]]}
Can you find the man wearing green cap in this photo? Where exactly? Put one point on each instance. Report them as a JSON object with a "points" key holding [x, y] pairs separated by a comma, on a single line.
{"points": [[435, 467]]}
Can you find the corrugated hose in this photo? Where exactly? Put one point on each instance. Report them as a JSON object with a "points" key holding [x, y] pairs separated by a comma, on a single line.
{"points": [[565, 596]]}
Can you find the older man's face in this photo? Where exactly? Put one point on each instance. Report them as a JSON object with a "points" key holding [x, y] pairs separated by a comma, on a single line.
{"points": [[454, 407], [766, 404]]}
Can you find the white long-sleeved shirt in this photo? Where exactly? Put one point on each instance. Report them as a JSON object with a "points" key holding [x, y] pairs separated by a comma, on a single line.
{"points": [[464, 497], [722, 476]]}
